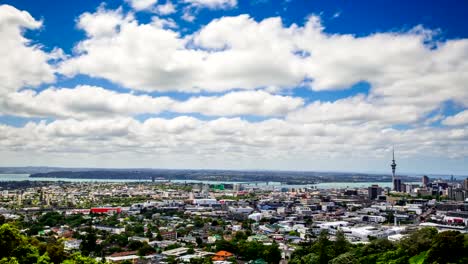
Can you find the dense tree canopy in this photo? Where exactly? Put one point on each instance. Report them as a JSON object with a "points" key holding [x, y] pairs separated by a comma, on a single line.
{"points": [[16, 248], [425, 246]]}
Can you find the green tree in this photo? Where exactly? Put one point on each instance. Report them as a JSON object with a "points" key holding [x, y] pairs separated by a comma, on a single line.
{"points": [[272, 253], [293, 233], [447, 247], [88, 245], [149, 234], [346, 258], [159, 237], [199, 241], [239, 235], [190, 250], [418, 241], [226, 245], [77, 258], [121, 239], [369, 253], [51, 219], [323, 247], [171, 260], [145, 249], [341, 245], [311, 258], [44, 259], [11, 260], [56, 252], [10, 239], [25, 253]]}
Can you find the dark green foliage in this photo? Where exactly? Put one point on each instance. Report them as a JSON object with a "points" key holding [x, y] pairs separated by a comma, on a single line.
{"points": [[79, 259], [120, 240], [173, 246], [76, 220], [322, 251], [341, 245], [171, 260], [134, 245], [10, 239], [323, 247], [371, 252], [424, 246], [346, 258], [159, 237], [272, 254], [51, 219], [55, 219], [26, 253], [149, 234], [206, 260], [88, 245], [190, 250], [16, 248], [240, 236], [226, 245], [198, 222], [251, 250], [199, 241], [145, 249], [419, 241], [448, 247], [55, 252]]}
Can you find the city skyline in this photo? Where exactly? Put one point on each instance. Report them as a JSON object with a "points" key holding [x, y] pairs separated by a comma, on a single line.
{"points": [[226, 84]]}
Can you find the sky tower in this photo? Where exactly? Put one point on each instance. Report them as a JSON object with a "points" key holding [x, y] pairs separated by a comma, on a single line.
{"points": [[393, 165]]}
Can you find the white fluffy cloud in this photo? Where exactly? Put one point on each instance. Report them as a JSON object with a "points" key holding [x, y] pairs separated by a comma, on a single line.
{"points": [[81, 103], [236, 60], [104, 23], [141, 4], [167, 64], [457, 120], [240, 103], [238, 52], [22, 63], [229, 139], [213, 4], [88, 102], [407, 77], [359, 109], [166, 9], [152, 6]]}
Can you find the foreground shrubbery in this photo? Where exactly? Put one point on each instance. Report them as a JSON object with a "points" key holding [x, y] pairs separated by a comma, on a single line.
{"points": [[425, 246], [16, 248]]}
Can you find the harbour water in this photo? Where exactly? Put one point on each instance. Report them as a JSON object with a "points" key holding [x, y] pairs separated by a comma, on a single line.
{"points": [[324, 185]]}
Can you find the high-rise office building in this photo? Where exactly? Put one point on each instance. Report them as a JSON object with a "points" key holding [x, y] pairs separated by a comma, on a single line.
{"points": [[425, 181], [403, 187], [397, 185], [374, 191], [465, 184]]}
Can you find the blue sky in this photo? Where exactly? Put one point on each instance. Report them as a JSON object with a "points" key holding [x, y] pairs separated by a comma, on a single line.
{"points": [[354, 17], [293, 85]]}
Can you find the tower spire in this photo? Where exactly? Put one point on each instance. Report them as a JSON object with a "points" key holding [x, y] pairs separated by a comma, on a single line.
{"points": [[393, 165]]}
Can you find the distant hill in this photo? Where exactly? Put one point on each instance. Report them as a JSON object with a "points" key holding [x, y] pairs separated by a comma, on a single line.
{"points": [[289, 177]]}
